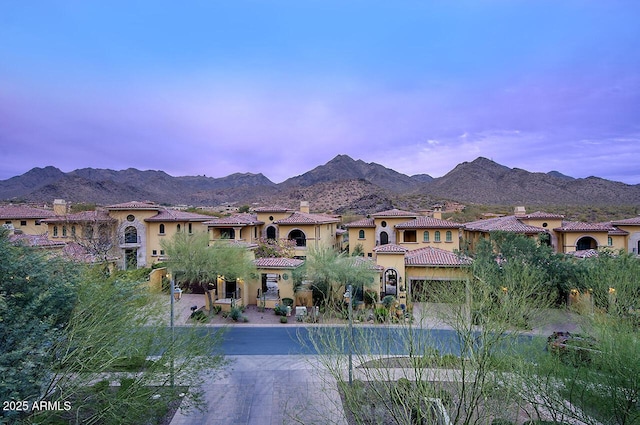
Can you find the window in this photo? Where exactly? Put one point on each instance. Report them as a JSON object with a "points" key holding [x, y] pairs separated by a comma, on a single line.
{"points": [[23, 222], [227, 234], [410, 236], [425, 236], [55, 231], [162, 228], [130, 235], [73, 231], [436, 236], [190, 228], [361, 234], [162, 252], [178, 227], [131, 217], [271, 232], [383, 223], [64, 231], [610, 241], [154, 252], [38, 223], [448, 236]]}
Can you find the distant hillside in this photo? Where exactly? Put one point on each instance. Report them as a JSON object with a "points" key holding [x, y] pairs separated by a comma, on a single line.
{"points": [[343, 167], [343, 185], [483, 181]]}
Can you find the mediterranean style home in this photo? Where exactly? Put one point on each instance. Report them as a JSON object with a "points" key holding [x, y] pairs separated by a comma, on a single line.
{"points": [[409, 251]]}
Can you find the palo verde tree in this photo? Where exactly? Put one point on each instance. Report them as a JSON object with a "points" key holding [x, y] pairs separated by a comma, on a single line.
{"points": [[194, 260], [594, 379], [117, 334]]}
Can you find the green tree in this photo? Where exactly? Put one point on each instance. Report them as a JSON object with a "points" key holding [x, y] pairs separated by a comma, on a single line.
{"points": [[600, 382], [193, 260], [331, 271], [37, 295], [117, 333]]}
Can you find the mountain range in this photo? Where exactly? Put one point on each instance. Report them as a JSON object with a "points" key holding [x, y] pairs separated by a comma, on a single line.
{"points": [[341, 185]]}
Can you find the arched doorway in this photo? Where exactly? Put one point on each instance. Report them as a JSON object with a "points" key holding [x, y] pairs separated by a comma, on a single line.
{"points": [[299, 237], [391, 282], [271, 232], [384, 238], [586, 242]]}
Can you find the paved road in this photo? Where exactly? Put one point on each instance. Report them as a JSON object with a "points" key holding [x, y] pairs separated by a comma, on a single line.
{"points": [[242, 341]]}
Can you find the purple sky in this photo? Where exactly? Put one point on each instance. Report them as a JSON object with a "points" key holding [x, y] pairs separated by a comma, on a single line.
{"points": [[280, 87]]}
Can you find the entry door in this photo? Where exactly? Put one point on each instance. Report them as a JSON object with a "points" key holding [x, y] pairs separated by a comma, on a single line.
{"points": [[229, 288], [130, 259]]}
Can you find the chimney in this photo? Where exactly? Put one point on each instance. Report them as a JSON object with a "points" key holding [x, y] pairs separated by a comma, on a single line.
{"points": [[304, 207], [437, 212], [60, 207], [519, 211]]}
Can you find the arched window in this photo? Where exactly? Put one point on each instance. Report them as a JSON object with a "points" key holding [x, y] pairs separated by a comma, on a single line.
{"points": [[436, 236], [425, 236], [178, 227], [384, 238], [361, 234], [299, 237], [130, 235], [55, 231], [448, 236], [73, 231], [271, 232], [64, 231], [585, 243], [162, 228]]}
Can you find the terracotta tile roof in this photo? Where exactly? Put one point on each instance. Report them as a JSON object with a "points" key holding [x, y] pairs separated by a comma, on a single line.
{"points": [[541, 215], [35, 241], [431, 256], [627, 221], [100, 216], [340, 231], [365, 222], [275, 209], [15, 212], [177, 215], [394, 213], [508, 223], [240, 219], [304, 218], [428, 223], [77, 252], [277, 263], [618, 232], [585, 253], [367, 262], [135, 205], [579, 226], [390, 249]]}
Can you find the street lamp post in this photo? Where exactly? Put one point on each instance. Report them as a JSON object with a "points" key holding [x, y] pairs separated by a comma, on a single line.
{"points": [[348, 295]]}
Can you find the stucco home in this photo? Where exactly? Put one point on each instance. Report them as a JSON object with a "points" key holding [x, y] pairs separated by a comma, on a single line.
{"points": [[306, 229], [632, 239], [24, 219]]}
